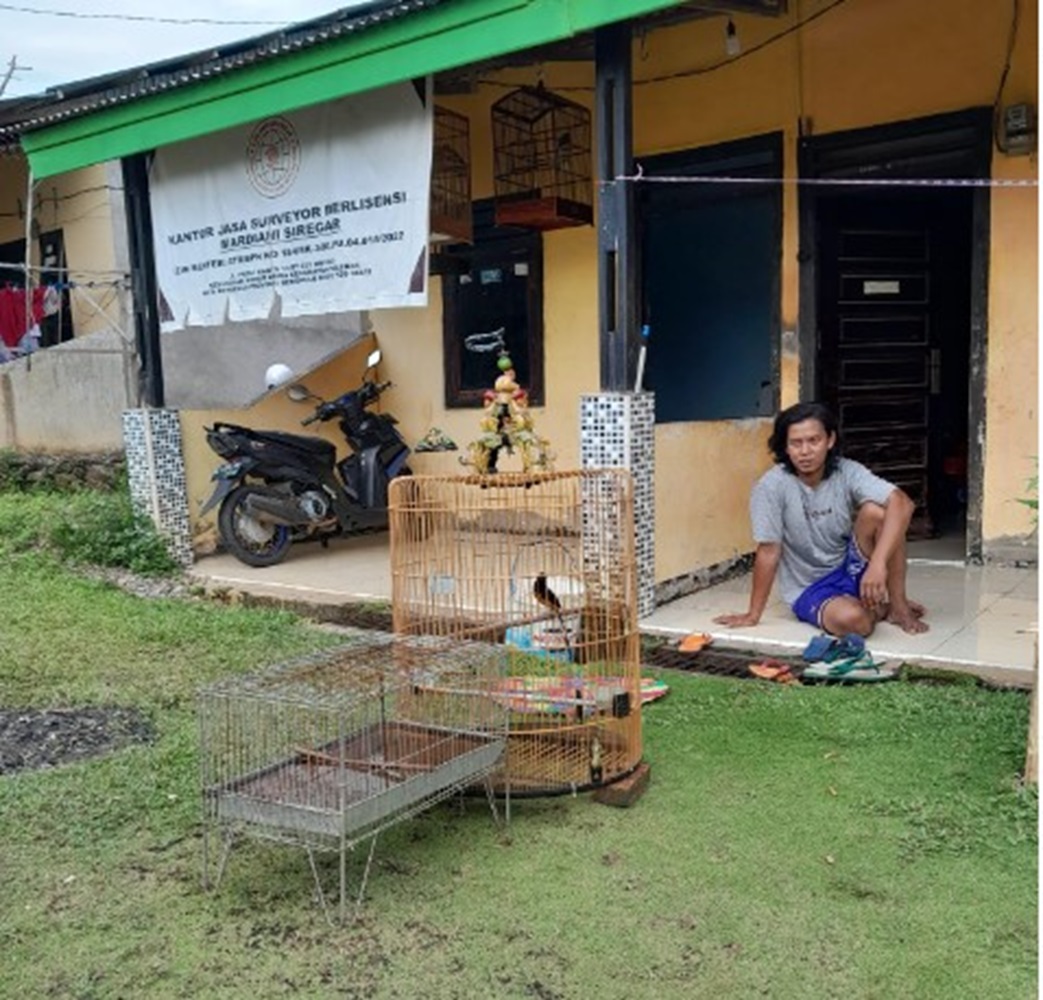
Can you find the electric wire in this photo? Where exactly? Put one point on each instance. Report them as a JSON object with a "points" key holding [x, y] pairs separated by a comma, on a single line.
{"points": [[1009, 54], [150, 18], [1012, 36], [695, 70], [42, 201], [746, 53]]}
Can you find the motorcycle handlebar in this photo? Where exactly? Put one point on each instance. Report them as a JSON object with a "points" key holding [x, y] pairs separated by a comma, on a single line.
{"points": [[370, 390], [325, 411]]}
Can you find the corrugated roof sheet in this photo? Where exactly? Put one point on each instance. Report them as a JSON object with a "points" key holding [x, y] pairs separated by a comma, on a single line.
{"points": [[86, 96]]}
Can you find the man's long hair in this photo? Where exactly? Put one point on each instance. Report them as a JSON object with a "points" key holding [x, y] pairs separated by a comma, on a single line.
{"points": [[794, 415]]}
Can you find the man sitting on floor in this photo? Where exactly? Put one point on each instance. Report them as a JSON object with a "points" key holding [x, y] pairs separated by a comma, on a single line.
{"points": [[833, 531]]}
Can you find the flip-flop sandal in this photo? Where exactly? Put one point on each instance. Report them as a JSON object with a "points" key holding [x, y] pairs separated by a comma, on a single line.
{"points": [[774, 670], [847, 647], [817, 648], [860, 668], [828, 648], [693, 642]]}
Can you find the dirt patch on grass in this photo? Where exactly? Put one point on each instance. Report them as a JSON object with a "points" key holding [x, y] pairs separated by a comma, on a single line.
{"points": [[35, 738]]}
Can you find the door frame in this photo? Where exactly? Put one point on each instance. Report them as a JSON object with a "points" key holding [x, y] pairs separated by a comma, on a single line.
{"points": [[952, 145]]}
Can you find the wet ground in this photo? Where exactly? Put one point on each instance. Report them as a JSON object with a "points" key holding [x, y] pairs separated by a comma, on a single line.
{"points": [[34, 738]]}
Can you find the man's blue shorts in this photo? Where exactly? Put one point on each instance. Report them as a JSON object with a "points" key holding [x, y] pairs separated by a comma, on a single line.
{"points": [[844, 581]]}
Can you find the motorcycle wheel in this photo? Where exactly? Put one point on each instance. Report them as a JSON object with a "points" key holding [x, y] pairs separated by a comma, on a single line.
{"points": [[249, 540]]}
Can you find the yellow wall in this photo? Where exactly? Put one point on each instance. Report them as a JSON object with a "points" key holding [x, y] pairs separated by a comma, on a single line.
{"points": [[1012, 379], [411, 344], [82, 205], [12, 187], [411, 341], [1012, 393], [704, 470], [698, 522], [864, 63], [276, 411]]}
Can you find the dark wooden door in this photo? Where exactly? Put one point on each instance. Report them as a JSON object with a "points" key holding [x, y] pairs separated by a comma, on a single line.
{"points": [[894, 328]]}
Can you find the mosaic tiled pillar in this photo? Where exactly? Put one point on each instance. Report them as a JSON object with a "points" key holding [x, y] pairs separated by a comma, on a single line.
{"points": [[617, 430], [156, 471]]}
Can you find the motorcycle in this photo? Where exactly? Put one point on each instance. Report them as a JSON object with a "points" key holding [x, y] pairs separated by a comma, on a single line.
{"points": [[277, 488]]}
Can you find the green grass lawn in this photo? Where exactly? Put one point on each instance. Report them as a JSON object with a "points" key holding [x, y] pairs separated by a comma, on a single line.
{"points": [[794, 842]]}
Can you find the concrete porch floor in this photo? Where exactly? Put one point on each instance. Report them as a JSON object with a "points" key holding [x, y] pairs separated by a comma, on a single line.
{"points": [[982, 619]]}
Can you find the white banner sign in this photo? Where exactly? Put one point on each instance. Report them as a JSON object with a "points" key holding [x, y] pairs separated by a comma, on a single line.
{"points": [[325, 207]]}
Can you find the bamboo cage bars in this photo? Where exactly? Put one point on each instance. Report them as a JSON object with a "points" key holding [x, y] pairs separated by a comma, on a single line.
{"points": [[542, 565]]}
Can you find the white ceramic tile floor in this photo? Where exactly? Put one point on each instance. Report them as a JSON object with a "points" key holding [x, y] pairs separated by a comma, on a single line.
{"points": [[349, 569], [982, 620]]}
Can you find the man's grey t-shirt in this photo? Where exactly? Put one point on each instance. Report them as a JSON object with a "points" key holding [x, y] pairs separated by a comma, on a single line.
{"points": [[813, 525]]}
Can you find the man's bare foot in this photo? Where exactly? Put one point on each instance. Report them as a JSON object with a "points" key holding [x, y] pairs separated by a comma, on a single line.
{"points": [[908, 619]]}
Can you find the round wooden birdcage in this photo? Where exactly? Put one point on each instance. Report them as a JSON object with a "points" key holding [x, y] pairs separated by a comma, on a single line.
{"points": [[541, 160], [541, 565]]}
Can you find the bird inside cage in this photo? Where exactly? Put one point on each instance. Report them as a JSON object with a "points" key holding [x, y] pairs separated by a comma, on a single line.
{"points": [[547, 598]]}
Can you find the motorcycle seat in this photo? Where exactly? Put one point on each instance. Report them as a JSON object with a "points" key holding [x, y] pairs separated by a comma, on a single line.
{"points": [[319, 447]]}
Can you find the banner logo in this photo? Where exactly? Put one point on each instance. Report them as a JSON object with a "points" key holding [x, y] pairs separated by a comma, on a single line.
{"points": [[273, 157]]}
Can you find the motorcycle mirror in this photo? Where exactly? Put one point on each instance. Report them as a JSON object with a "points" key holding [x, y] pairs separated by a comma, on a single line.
{"points": [[298, 393], [374, 359]]}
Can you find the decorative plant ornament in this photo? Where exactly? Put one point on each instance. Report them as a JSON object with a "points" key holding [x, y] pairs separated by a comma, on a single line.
{"points": [[506, 423]]}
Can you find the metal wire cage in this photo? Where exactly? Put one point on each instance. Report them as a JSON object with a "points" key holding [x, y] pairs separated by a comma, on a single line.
{"points": [[543, 565], [451, 178], [328, 750], [541, 160]]}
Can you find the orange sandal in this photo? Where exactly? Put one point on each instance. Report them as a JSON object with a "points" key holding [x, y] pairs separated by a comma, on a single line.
{"points": [[694, 641], [774, 670]]}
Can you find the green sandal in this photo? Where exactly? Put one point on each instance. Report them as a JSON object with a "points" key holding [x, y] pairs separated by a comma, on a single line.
{"points": [[852, 668]]}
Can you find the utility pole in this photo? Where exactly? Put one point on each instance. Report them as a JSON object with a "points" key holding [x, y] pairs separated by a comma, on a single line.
{"points": [[12, 68]]}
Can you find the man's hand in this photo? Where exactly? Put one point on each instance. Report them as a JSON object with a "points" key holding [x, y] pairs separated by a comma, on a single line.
{"points": [[874, 585], [765, 562], [746, 619]]}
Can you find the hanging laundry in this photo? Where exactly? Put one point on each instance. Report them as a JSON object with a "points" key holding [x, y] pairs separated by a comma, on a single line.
{"points": [[52, 299], [30, 341], [13, 325]]}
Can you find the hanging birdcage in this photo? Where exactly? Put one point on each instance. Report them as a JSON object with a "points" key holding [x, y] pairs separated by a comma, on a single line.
{"points": [[451, 178], [542, 162]]}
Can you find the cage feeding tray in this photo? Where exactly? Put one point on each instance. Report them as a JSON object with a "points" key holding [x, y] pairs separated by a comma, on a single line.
{"points": [[344, 788]]}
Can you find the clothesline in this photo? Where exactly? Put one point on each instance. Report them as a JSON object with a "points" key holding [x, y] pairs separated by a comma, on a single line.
{"points": [[43, 271], [827, 182], [62, 286], [24, 310]]}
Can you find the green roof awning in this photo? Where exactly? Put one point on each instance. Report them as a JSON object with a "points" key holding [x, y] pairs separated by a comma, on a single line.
{"points": [[447, 36]]}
